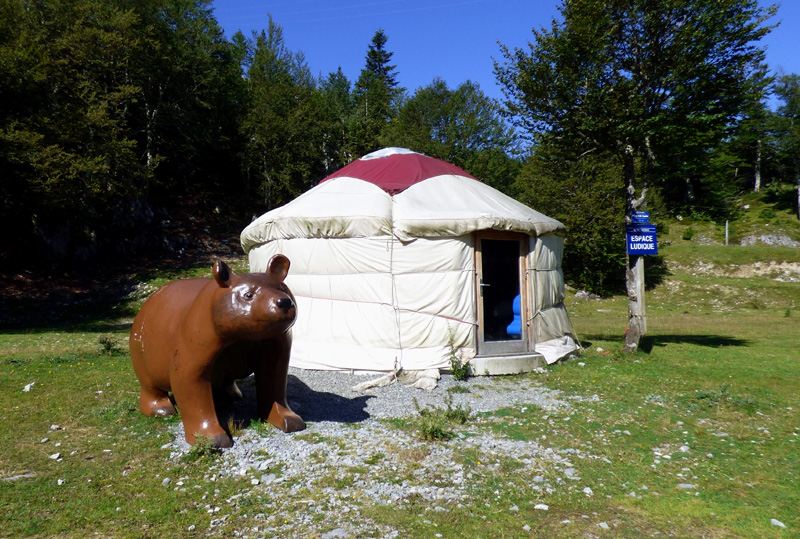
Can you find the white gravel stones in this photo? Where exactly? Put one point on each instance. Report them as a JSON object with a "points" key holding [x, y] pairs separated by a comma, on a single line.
{"points": [[541, 507], [370, 461], [337, 533], [17, 477]]}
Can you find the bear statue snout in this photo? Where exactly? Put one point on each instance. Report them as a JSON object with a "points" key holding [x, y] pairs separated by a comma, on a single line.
{"points": [[285, 304]]}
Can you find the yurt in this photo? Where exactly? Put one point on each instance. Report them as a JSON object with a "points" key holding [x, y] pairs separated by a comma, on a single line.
{"points": [[402, 261]]}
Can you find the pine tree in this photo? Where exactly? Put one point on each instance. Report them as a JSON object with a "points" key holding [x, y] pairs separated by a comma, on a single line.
{"points": [[377, 96], [282, 128], [787, 89]]}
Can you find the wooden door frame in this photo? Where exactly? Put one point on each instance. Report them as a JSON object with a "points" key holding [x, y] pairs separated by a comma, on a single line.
{"points": [[495, 348]]}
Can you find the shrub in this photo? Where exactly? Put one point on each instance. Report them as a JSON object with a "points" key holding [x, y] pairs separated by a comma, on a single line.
{"points": [[723, 396], [767, 214], [203, 447], [108, 346], [235, 428], [461, 370], [435, 424]]}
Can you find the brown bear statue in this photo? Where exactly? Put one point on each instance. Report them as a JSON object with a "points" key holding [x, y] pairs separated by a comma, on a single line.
{"points": [[193, 335]]}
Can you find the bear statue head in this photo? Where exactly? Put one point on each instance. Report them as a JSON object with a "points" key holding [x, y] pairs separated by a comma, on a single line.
{"points": [[253, 306]]}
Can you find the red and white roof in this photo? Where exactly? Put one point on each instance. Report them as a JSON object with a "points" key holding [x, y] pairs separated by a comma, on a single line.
{"points": [[400, 193], [396, 169]]}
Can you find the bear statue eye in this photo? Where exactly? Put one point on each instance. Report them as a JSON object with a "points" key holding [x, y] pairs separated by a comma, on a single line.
{"points": [[248, 295]]}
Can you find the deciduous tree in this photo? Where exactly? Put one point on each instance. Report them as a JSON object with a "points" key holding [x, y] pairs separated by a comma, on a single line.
{"points": [[647, 81], [461, 126]]}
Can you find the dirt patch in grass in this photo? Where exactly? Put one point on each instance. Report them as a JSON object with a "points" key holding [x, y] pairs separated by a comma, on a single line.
{"points": [[779, 271]]}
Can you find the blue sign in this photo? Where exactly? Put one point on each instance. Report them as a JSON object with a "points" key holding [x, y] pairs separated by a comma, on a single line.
{"points": [[640, 217], [642, 239]]}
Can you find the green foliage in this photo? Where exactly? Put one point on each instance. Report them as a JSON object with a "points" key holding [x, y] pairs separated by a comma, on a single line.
{"points": [[656, 82], [375, 458], [461, 369], [281, 157], [432, 427], [668, 395], [787, 126], [376, 96], [767, 214], [456, 414], [235, 427], [461, 126], [101, 103], [688, 234], [337, 107], [261, 427], [653, 86], [435, 424], [108, 345], [585, 195], [203, 448], [723, 397]]}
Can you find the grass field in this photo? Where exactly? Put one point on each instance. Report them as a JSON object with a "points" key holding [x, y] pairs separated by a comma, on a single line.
{"points": [[696, 435]]}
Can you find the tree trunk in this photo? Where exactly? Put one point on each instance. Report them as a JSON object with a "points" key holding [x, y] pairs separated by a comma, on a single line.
{"points": [[634, 274], [757, 186], [637, 320]]}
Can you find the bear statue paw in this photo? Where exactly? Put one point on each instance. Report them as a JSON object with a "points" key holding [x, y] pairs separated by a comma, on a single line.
{"points": [[223, 441], [159, 407], [285, 419]]}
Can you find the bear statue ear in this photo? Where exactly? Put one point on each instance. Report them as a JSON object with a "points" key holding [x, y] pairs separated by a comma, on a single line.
{"points": [[222, 274], [278, 266]]}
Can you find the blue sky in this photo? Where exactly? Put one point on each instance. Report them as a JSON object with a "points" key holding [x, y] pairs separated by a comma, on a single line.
{"points": [[453, 39]]}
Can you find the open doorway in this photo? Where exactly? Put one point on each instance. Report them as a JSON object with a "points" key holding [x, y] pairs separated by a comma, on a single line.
{"points": [[502, 301]]}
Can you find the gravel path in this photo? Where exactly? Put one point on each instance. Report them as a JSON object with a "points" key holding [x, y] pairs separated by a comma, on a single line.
{"points": [[348, 456]]}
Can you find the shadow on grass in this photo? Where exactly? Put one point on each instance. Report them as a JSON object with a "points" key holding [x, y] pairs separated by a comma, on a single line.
{"points": [[38, 299], [648, 342], [656, 271], [312, 406], [783, 199], [99, 327]]}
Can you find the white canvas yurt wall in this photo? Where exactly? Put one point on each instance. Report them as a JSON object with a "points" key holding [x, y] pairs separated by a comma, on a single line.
{"points": [[385, 277]]}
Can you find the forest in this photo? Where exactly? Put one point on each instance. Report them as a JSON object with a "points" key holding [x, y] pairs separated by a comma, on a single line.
{"points": [[113, 112]]}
